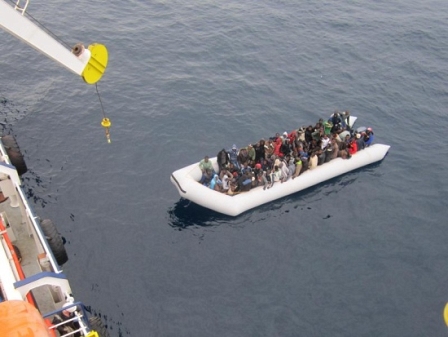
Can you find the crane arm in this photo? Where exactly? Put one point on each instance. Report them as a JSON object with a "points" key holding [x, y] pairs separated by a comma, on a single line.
{"points": [[89, 63]]}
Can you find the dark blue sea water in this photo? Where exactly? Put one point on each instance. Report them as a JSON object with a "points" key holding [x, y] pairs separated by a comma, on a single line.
{"points": [[361, 255]]}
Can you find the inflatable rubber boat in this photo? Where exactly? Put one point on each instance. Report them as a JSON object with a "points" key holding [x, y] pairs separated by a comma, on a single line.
{"points": [[187, 183]]}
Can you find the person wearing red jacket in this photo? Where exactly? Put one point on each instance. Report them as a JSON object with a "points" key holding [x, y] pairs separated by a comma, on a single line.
{"points": [[352, 147], [277, 146]]}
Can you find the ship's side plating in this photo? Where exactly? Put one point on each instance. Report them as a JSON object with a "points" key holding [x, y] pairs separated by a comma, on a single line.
{"points": [[29, 270]]}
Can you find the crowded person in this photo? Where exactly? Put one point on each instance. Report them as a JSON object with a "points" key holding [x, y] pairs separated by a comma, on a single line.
{"points": [[285, 155]]}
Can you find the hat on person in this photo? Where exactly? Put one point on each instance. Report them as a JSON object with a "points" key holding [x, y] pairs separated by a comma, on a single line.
{"points": [[234, 147], [285, 134], [69, 307]]}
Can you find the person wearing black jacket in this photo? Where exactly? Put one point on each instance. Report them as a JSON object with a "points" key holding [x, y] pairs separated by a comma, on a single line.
{"points": [[222, 159], [259, 151]]}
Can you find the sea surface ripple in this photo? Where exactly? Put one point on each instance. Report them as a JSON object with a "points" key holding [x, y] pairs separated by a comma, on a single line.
{"points": [[361, 255]]}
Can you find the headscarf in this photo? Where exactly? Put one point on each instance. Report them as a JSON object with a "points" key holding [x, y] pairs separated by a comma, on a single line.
{"points": [[214, 181]]}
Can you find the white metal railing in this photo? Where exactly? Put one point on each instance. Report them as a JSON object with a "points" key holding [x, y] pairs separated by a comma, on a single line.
{"points": [[78, 317], [20, 8]]}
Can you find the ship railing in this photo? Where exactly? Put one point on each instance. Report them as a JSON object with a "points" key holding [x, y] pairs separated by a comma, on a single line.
{"points": [[18, 198], [79, 317], [20, 8]]}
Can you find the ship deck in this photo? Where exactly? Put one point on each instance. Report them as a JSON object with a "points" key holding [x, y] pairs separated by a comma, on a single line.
{"points": [[28, 248]]}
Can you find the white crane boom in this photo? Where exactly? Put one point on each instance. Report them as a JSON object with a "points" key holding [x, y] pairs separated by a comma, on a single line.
{"points": [[89, 63]]}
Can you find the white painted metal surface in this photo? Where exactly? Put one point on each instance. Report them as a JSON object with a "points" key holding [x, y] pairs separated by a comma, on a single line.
{"points": [[12, 21]]}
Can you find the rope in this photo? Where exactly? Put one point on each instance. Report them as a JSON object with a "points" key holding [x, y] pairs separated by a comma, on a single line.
{"points": [[105, 123], [99, 98]]}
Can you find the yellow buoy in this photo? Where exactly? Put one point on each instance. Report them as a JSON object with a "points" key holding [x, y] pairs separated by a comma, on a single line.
{"points": [[106, 124]]}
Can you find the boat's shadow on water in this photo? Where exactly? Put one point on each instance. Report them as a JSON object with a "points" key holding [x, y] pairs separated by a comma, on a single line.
{"points": [[186, 214]]}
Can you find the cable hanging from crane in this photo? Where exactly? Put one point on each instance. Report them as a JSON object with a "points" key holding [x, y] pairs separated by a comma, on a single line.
{"points": [[90, 63], [105, 123]]}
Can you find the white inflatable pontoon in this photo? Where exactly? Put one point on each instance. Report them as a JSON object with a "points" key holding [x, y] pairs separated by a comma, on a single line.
{"points": [[187, 183]]}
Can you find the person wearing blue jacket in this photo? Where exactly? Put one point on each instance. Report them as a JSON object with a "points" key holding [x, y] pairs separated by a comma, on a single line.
{"points": [[233, 156], [369, 137]]}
